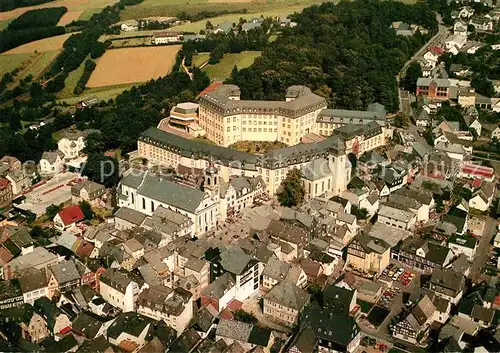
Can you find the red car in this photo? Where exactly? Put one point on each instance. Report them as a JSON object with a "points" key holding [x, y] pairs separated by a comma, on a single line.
{"points": [[406, 281], [407, 274]]}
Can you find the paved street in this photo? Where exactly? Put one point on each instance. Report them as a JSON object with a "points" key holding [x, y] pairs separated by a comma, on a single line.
{"points": [[482, 250]]}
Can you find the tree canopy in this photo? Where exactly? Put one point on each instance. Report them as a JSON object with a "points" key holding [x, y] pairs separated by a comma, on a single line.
{"points": [[347, 52], [291, 191]]}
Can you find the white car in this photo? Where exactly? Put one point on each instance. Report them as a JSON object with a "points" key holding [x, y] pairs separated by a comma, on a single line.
{"points": [[395, 277]]}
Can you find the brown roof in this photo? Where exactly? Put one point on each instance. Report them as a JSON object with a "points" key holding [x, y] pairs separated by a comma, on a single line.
{"points": [[286, 231], [423, 310], [5, 256]]}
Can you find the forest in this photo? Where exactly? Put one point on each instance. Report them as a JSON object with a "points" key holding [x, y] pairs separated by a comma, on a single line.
{"points": [[7, 5], [47, 17], [346, 52]]}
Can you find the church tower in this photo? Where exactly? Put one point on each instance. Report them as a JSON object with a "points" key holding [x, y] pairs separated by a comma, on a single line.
{"points": [[211, 181]]}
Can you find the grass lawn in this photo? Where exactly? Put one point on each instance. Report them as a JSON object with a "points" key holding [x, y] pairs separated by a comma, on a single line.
{"points": [[71, 81], [9, 62], [199, 59], [223, 69]]}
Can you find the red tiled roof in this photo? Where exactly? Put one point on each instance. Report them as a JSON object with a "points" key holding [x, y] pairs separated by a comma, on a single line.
{"points": [[234, 305], [3, 183], [226, 314], [437, 50], [211, 87], [70, 215], [5, 256], [476, 183]]}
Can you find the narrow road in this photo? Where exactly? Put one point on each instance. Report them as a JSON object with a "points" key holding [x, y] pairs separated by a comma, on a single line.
{"points": [[190, 74], [482, 249], [438, 37]]}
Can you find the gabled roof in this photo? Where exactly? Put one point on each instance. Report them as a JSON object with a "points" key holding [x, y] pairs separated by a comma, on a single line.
{"points": [[448, 279], [130, 322], [288, 295], [233, 329], [70, 215], [87, 325], [32, 279], [65, 272]]}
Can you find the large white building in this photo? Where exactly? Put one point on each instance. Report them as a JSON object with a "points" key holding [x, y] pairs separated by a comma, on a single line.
{"points": [[227, 119], [118, 290], [145, 192], [163, 148]]}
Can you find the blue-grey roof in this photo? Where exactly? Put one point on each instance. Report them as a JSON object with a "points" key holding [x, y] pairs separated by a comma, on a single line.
{"points": [[165, 191]]}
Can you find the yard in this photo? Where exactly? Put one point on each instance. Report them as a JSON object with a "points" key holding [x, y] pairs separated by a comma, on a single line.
{"points": [[114, 67], [200, 59], [223, 69]]}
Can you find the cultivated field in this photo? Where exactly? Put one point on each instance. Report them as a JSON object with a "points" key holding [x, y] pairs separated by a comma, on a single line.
{"points": [[9, 62], [223, 69], [71, 5], [69, 17], [42, 45], [129, 65], [172, 7], [39, 64]]}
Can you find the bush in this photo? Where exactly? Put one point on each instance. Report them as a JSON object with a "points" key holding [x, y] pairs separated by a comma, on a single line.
{"points": [[47, 17]]}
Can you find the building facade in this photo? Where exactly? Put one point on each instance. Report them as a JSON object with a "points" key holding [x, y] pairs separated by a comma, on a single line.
{"points": [[227, 119]]}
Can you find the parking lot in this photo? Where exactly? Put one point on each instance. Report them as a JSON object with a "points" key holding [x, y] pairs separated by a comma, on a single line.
{"points": [[388, 296], [398, 275]]}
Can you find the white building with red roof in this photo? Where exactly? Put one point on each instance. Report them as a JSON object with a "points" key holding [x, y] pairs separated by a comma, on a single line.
{"points": [[68, 217], [473, 171]]}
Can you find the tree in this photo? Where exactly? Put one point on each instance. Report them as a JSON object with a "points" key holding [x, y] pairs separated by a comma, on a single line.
{"points": [[87, 210], [242, 315], [292, 191], [101, 169], [413, 72], [94, 143], [52, 210]]}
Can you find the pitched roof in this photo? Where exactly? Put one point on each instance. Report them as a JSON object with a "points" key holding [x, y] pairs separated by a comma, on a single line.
{"points": [[87, 325], [448, 279], [65, 271], [234, 260], [237, 330], [32, 279], [288, 295], [219, 286], [276, 269], [163, 190], [70, 215], [51, 156], [129, 322]]}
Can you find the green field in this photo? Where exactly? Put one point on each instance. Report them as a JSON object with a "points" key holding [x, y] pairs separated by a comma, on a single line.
{"points": [[87, 14], [71, 81], [199, 59], [173, 7], [103, 93], [37, 67], [9, 62], [4, 24], [223, 69]]}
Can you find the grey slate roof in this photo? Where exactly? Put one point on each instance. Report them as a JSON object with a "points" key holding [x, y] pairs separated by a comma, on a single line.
{"points": [[166, 191], [32, 279], [288, 295], [130, 215], [448, 279], [234, 260], [276, 269], [237, 330], [274, 159], [220, 286], [51, 156], [316, 169], [65, 272]]}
